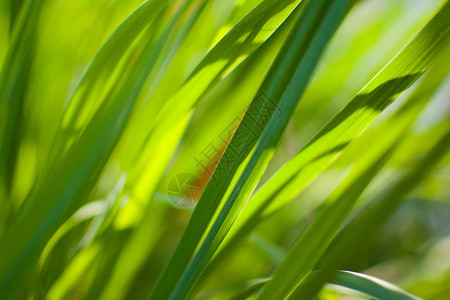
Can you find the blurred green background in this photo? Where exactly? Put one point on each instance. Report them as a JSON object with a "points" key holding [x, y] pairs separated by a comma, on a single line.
{"points": [[85, 258]]}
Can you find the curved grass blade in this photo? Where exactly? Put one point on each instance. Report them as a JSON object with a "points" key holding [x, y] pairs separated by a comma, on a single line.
{"points": [[329, 143], [251, 290], [242, 40], [369, 285]]}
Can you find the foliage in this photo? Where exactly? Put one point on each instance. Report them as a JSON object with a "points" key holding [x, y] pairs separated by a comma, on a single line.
{"points": [[173, 150]]}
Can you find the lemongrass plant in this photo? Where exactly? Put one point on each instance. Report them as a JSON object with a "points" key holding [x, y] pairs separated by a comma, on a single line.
{"points": [[221, 149]]}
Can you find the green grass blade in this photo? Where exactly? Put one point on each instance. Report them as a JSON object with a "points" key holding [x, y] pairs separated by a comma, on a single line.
{"points": [[136, 263], [169, 124], [343, 248], [373, 217], [251, 290], [126, 268], [329, 143], [73, 176], [308, 248], [106, 107], [14, 7], [156, 52], [313, 242], [96, 82], [13, 84], [371, 286], [271, 110], [367, 223], [227, 100], [207, 74]]}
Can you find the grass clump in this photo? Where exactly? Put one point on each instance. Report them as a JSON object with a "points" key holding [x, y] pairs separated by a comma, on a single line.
{"points": [[223, 149]]}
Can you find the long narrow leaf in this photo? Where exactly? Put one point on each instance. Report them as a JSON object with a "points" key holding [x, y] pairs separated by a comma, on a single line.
{"points": [[72, 177], [308, 248], [13, 84], [329, 143], [372, 218], [270, 111], [169, 124], [369, 285]]}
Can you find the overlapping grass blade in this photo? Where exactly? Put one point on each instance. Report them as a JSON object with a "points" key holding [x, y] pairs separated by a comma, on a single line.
{"points": [[100, 76], [261, 20], [270, 111], [14, 7], [13, 83], [225, 105], [60, 289], [373, 217], [329, 143], [308, 248], [369, 285], [84, 173], [155, 54], [313, 242], [126, 267], [168, 126], [73, 176], [108, 57]]}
